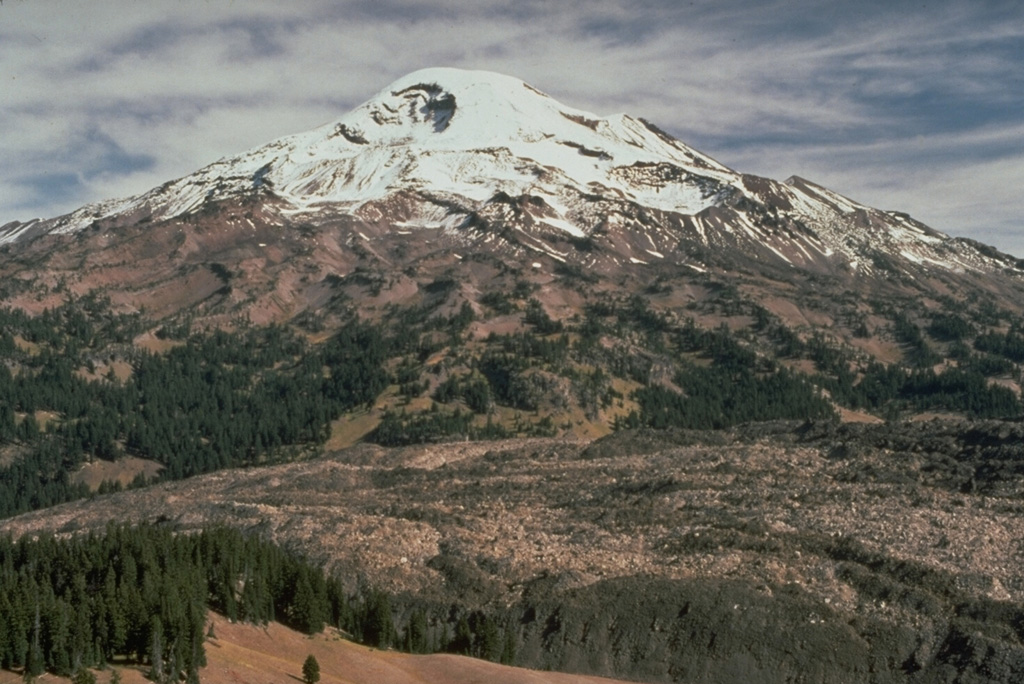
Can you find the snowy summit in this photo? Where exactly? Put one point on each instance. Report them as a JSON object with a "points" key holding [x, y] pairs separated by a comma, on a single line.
{"points": [[448, 132], [459, 150]]}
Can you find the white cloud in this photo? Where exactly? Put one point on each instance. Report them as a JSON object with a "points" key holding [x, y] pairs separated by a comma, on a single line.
{"points": [[839, 93]]}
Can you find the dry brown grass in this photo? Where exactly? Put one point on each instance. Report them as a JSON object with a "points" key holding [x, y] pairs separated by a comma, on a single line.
{"points": [[124, 471], [26, 346], [851, 416], [249, 654], [152, 343], [351, 428]]}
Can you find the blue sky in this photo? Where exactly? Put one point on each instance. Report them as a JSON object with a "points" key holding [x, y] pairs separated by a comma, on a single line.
{"points": [[913, 106]]}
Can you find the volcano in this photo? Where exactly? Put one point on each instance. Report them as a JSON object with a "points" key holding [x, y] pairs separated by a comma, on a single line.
{"points": [[479, 158], [501, 357]]}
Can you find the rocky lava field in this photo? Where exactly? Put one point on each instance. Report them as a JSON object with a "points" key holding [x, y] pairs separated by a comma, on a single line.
{"points": [[770, 552]]}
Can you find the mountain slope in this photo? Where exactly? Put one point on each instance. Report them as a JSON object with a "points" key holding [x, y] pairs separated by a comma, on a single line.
{"points": [[471, 203], [481, 157]]}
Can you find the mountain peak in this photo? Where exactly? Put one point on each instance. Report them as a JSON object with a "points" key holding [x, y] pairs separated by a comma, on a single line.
{"points": [[451, 133], [455, 80], [469, 107], [474, 85], [479, 154]]}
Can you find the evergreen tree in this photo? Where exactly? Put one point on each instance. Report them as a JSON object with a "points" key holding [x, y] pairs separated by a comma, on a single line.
{"points": [[508, 649], [490, 640], [83, 676], [378, 625], [462, 642], [416, 634], [35, 663], [310, 603], [156, 652], [310, 670]]}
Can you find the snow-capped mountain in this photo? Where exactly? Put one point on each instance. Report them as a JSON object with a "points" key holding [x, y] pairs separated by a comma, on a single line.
{"points": [[468, 151], [452, 134]]}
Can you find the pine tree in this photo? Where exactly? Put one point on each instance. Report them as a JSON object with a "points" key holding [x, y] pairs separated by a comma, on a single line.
{"points": [[35, 664], [508, 650], [444, 638], [416, 633], [311, 670], [490, 640], [156, 652], [309, 605], [173, 670], [462, 643], [378, 626], [83, 676]]}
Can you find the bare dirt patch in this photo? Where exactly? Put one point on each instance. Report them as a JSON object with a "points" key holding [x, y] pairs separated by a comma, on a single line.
{"points": [[883, 350], [150, 342], [26, 346], [351, 428], [851, 416], [124, 470]]}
